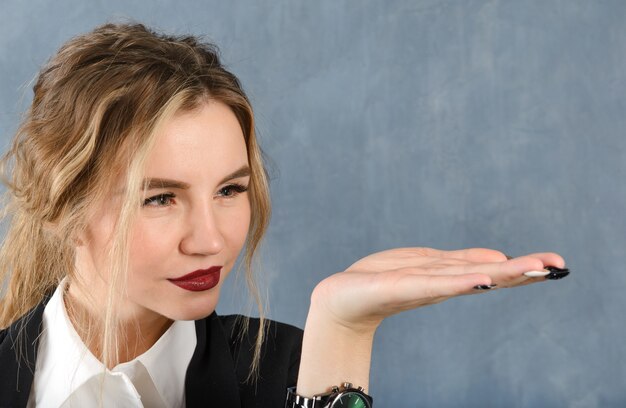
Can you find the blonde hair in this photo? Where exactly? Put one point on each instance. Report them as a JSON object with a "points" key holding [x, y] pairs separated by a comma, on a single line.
{"points": [[97, 107]]}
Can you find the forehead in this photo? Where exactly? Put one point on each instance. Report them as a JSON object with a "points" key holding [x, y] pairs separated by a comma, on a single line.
{"points": [[203, 144]]}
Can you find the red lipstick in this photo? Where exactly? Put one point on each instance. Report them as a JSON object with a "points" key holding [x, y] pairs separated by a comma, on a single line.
{"points": [[200, 280]]}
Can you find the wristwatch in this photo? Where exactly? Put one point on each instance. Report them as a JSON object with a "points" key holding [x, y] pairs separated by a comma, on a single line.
{"points": [[339, 397]]}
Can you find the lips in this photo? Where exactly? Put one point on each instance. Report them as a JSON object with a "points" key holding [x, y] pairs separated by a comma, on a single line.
{"points": [[200, 280]]}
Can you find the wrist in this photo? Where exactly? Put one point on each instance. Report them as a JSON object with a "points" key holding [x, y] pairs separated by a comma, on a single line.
{"points": [[327, 324], [352, 322], [333, 353], [343, 396]]}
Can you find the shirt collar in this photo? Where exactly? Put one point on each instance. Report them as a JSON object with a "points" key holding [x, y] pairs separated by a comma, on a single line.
{"points": [[64, 362], [167, 361]]}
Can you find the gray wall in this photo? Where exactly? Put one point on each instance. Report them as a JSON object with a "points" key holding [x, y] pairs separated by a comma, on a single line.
{"points": [[423, 123]]}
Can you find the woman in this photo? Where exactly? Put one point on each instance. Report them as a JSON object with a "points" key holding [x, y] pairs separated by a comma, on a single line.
{"points": [[134, 183]]}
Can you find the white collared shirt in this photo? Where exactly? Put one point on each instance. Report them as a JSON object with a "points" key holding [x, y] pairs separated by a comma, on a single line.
{"points": [[67, 374]]}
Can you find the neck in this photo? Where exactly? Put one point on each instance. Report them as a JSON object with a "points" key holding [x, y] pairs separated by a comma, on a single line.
{"points": [[132, 335]]}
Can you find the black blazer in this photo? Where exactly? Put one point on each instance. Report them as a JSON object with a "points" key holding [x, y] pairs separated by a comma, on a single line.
{"points": [[216, 373]]}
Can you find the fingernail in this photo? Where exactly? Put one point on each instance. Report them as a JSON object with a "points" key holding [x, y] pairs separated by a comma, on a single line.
{"points": [[485, 287], [556, 273], [536, 274]]}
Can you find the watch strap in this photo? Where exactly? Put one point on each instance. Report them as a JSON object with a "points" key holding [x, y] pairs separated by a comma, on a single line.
{"points": [[298, 401], [322, 400]]}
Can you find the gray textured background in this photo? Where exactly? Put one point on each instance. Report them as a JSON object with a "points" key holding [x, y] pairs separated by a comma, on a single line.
{"points": [[423, 123]]}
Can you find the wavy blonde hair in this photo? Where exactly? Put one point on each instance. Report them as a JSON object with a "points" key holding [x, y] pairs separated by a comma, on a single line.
{"points": [[97, 107]]}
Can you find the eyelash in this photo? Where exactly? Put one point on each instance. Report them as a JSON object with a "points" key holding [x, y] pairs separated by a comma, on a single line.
{"points": [[234, 189], [159, 198]]}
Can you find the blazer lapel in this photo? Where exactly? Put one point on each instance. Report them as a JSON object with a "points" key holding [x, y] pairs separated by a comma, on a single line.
{"points": [[211, 380]]}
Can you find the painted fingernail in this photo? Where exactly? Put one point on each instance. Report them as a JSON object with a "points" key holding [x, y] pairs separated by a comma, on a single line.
{"points": [[536, 274], [485, 287], [556, 273]]}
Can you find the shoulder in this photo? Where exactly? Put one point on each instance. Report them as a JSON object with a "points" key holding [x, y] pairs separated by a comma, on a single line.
{"points": [[27, 328], [275, 332], [18, 353], [282, 343], [22, 332], [279, 359]]}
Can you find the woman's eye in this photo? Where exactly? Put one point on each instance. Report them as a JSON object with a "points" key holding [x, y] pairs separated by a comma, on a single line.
{"points": [[232, 190], [161, 200]]}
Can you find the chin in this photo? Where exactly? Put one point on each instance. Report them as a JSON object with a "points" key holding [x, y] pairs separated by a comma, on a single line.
{"points": [[193, 312]]}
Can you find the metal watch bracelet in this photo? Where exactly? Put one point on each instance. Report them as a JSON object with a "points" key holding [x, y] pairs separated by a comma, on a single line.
{"points": [[338, 397]]}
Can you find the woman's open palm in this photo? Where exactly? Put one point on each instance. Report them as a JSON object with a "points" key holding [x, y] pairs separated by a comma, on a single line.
{"points": [[392, 281]]}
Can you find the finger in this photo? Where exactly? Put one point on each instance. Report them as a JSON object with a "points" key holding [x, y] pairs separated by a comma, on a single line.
{"points": [[472, 255], [448, 267], [399, 258], [438, 263], [521, 281], [506, 271], [415, 290], [549, 259]]}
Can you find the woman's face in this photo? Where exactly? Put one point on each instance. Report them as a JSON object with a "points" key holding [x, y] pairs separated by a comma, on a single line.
{"points": [[194, 217]]}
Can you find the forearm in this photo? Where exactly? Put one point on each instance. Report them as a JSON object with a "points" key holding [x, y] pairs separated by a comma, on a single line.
{"points": [[332, 354]]}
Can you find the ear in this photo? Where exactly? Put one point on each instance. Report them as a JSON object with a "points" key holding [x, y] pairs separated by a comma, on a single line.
{"points": [[79, 240], [53, 229]]}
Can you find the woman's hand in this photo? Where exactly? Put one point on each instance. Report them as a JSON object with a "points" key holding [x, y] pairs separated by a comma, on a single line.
{"points": [[346, 308], [389, 282]]}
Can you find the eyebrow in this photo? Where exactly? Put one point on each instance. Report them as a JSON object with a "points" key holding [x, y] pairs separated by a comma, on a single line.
{"points": [[156, 183]]}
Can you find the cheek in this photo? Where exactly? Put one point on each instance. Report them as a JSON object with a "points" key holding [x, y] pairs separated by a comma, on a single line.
{"points": [[238, 225], [98, 235], [151, 242]]}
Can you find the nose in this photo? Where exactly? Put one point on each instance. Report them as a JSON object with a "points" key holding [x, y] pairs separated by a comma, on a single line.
{"points": [[203, 235]]}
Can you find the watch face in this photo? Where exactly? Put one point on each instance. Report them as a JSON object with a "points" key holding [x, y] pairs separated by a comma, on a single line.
{"points": [[350, 400]]}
